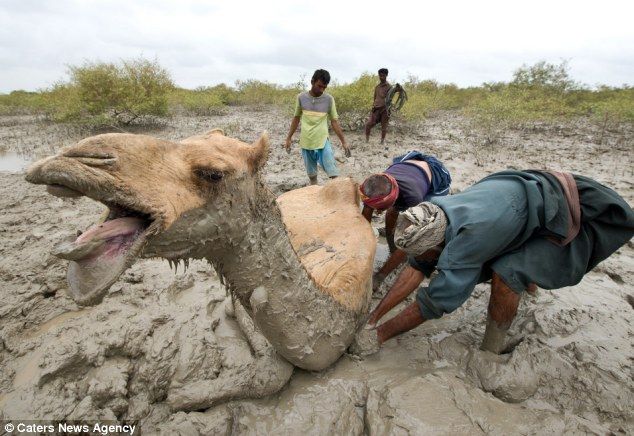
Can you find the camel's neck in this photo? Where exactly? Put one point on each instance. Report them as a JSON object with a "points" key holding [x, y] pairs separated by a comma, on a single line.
{"points": [[242, 234], [251, 246]]}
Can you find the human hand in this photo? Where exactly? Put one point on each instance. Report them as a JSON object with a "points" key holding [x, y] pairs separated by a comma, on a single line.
{"points": [[346, 149], [377, 281], [365, 342], [287, 145], [371, 321]]}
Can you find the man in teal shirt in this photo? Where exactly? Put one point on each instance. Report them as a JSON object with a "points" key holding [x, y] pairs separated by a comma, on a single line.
{"points": [[516, 228], [313, 109]]}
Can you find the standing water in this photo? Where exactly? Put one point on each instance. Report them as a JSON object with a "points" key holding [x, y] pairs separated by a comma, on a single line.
{"points": [[12, 162]]}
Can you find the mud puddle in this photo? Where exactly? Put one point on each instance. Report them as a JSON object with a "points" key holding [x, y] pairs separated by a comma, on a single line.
{"points": [[12, 162]]}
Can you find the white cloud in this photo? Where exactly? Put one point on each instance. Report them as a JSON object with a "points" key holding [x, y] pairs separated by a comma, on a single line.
{"points": [[208, 42]]}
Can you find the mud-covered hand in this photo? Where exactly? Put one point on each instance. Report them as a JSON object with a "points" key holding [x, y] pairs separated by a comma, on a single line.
{"points": [[377, 281], [365, 342], [346, 149], [287, 145]]}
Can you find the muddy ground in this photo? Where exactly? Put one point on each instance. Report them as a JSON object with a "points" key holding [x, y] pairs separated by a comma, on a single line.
{"points": [[158, 329]]}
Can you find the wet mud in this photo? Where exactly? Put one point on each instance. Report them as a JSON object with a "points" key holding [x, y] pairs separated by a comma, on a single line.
{"points": [[172, 352]]}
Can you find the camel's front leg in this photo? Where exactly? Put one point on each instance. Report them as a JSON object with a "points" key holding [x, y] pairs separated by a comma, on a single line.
{"points": [[260, 346], [262, 373], [503, 305]]}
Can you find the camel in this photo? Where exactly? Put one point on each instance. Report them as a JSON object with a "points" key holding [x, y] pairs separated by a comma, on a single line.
{"points": [[300, 265]]}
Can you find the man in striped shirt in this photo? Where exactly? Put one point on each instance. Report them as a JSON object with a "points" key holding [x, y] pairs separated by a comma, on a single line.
{"points": [[313, 109]]}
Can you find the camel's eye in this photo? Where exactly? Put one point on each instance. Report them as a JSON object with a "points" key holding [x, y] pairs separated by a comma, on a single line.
{"points": [[208, 174]]}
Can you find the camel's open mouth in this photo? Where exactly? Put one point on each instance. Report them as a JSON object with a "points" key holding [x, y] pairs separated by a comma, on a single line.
{"points": [[99, 255]]}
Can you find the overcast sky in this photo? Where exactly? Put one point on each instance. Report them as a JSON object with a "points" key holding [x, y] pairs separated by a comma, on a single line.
{"points": [[203, 43]]}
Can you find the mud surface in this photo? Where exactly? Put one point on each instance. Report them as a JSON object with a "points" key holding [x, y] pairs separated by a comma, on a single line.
{"points": [[161, 336]]}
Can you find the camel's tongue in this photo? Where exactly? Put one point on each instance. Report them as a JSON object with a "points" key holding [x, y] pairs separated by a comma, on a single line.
{"points": [[98, 257]]}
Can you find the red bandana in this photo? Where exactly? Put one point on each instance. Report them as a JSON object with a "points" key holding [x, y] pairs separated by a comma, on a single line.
{"points": [[381, 202]]}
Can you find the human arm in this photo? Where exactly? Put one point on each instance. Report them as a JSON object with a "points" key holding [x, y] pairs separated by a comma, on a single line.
{"points": [[337, 128], [393, 261], [367, 212], [447, 291], [369, 341], [390, 223], [408, 319], [407, 281], [425, 264], [289, 137], [334, 117], [457, 286], [396, 256]]}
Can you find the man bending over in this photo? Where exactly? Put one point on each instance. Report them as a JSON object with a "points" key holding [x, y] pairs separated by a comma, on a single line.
{"points": [[411, 179], [517, 229]]}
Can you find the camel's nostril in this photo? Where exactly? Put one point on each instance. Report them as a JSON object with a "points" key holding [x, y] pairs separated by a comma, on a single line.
{"points": [[95, 161], [89, 154], [91, 158]]}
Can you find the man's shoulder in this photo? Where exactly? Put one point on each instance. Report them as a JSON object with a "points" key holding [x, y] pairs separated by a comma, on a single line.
{"points": [[303, 99]]}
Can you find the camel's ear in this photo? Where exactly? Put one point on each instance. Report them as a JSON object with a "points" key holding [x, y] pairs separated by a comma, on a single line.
{"points": [[259, 152], [215, 131]]}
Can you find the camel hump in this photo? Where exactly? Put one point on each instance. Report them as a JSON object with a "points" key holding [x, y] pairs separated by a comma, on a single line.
{"points": [[334, 242]]}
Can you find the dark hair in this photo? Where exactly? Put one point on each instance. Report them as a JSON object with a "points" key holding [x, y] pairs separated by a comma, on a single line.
{"points": [[383, 71], [376, 185], [322, 75]]}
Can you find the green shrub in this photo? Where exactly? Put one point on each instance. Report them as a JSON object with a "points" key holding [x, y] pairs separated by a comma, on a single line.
{"points": [[610, 108], [21, 102], [427, 96], [542, 93], [227, 94], [202, 101], [63, 103], [613, 104], [354, 100], [107, 93], [544, 76], [258, 93]]}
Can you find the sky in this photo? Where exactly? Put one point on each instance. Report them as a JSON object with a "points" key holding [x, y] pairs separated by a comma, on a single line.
{"points": [[203, 43]]}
